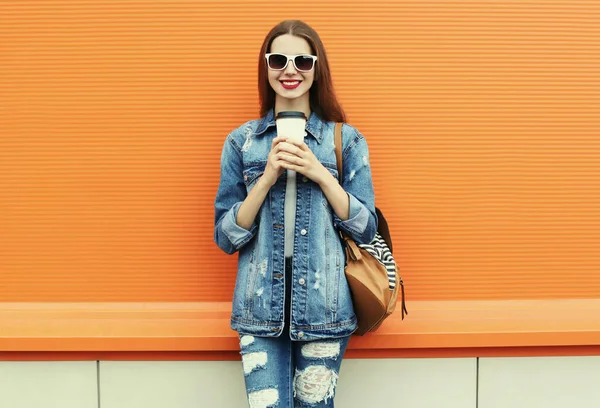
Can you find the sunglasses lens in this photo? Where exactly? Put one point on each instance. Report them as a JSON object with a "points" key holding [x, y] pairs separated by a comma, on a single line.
{"points": [[277, 61], [304, 62]]}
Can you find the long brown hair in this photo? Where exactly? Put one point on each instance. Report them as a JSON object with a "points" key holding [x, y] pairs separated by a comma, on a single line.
{"points": [[322, 96]]}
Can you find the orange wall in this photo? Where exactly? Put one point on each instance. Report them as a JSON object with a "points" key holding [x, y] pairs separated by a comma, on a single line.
{"points": [[482, 119]]}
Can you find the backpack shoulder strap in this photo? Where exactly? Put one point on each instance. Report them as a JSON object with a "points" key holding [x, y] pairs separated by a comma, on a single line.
{"points": [[338, 149], [337, 140]]}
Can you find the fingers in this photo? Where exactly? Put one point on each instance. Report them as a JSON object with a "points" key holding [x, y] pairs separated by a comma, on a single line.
{"points": [[289, 154], [298, 143], [291, 166], [286, 157], [277, 140], [289, 148]]}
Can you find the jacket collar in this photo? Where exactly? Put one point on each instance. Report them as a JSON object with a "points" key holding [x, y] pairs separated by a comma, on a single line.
{"points": [[314, 125]]}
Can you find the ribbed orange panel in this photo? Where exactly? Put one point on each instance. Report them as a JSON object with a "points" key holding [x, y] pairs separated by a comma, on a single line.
{"points": [[482, 118]]}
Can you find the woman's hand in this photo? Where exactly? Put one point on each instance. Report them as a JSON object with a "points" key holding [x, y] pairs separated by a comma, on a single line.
{"points": [[296, 155], [274, 166]]}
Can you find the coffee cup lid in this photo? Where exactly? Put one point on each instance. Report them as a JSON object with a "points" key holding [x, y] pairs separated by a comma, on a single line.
{"points": [[290, 114]]}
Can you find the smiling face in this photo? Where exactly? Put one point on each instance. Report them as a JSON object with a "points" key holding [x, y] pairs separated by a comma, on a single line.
{"points": [[290, 85]]}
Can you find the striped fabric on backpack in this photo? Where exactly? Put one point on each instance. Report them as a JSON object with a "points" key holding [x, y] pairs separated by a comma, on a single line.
{"points": [[380, 251]]}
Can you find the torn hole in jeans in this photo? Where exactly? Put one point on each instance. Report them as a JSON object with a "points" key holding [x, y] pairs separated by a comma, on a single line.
{"points": [[315, 384], [264, 398], [253, 361]]}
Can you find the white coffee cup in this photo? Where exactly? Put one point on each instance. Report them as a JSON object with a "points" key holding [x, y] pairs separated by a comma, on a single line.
{"points": [[291, 124]]}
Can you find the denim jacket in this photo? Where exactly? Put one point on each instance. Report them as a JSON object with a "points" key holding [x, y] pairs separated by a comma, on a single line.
{"points": [[321, 304]]}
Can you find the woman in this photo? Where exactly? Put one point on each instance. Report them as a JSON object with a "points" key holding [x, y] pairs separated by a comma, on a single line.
{"points": [[291, 304]]}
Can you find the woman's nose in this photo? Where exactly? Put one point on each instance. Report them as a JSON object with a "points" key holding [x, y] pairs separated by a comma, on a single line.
{"points": [[290, 69]]}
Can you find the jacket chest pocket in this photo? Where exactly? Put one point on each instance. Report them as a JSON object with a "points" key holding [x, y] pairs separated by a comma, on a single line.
{"points": [[252, 173]]}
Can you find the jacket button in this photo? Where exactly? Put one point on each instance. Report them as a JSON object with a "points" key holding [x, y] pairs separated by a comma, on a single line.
{"points": [[304, 179], [301, 281], [245, 177], [303, 232], [300, 334]]}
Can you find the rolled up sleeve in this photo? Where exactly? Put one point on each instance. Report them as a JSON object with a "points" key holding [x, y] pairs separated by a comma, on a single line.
{"points": [[358, 220], [236, 235]]}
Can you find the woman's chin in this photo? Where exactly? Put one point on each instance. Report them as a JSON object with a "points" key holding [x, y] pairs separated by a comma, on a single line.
{"points": [[290, 93]]}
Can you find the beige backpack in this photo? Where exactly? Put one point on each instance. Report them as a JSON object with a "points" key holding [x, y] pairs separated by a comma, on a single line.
{"points": [[371, 270]]}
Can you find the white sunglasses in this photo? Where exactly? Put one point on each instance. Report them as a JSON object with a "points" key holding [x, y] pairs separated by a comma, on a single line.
{"points": [[302, 62]]}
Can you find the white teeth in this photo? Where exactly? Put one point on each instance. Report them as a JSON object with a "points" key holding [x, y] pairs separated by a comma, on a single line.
{"points": [[291, 83]]}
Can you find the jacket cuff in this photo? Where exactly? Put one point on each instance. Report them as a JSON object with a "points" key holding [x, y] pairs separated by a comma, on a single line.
{"points": [[358, 217], [237, 235]]}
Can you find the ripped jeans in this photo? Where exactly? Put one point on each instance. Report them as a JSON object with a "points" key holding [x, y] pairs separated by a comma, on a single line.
{"points": [[283, 373]]}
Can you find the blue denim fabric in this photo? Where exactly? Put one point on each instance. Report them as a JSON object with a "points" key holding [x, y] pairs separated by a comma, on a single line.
{"points": [[279, 372], [321, 305]]}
